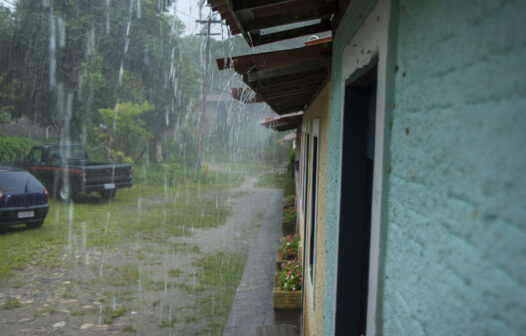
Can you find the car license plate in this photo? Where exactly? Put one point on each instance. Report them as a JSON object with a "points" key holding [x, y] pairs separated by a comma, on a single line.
{"points": [[109, 186], [26, 214]]}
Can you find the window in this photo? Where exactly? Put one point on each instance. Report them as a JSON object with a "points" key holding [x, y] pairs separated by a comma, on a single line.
{"points": [[305, 175], [36, 155], [312, 234]]}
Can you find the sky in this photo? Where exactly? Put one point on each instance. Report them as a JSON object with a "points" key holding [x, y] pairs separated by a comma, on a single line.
{"points": [[188, 12]]}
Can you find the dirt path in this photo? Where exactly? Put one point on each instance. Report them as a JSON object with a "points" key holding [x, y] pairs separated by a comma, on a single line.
{"points": [[142, 287], [253, 305]]}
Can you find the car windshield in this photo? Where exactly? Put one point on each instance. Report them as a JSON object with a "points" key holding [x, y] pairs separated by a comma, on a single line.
{"points": [[16, 180]]}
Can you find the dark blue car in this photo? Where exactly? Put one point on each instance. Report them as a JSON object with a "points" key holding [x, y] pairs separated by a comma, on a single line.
{"points": [[23, 199]]}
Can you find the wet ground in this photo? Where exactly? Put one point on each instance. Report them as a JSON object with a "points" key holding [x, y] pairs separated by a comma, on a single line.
{"points": [[152, 288], [253, 304]]}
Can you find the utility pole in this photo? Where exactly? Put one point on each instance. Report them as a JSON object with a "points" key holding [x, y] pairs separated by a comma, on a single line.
{"points": [[202, 120]]}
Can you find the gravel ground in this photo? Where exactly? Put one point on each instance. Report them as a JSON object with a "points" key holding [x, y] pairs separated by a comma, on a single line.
{"points": [[73, 300]]}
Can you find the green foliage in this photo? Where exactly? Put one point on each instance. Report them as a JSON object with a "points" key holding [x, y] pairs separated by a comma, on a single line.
{"points": [[290, 276], [289, 201], [13, 148], [220, 277], [189, 205], [289, 188], [291, 163], [11, 304], [288, 249], [122, 129], [272, 180], [120, 157], [289, 215], [112, 313]]}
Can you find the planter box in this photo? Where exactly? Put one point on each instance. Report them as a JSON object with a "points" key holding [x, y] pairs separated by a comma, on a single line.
{"points": [[288, 228], [286, 299]]}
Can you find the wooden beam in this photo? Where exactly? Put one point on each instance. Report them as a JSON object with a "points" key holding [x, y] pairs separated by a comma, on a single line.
{"points": [[289, 86], [287, 109], [235, 21], [272, 59], [301, 14], [288, 7], [246, 96], [288, 93], [243, 5], [258, 39], [322, 63]]}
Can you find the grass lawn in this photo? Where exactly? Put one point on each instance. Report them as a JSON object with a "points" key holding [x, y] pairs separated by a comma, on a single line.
{"points": [[149, 210], [164, 203]]}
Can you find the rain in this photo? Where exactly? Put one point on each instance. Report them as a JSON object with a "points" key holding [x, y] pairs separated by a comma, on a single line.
{"points": [[134, 87]]}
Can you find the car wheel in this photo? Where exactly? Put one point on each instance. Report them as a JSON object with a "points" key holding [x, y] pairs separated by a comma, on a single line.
{"points": [[65, 193], [34, 225], [108, 194]]}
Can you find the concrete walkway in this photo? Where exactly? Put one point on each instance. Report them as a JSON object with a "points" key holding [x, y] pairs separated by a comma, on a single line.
{"points": [[253, 305]]}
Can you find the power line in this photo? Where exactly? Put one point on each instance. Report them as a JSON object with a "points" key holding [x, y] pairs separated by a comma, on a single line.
{"points": [[190, 16]]}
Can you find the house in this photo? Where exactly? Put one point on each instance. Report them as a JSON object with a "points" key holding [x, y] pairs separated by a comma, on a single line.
{"points": [[413, 159]]}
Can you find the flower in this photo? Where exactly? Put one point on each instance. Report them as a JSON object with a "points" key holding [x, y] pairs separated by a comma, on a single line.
{"points": [[289, 277], [288, 249]]}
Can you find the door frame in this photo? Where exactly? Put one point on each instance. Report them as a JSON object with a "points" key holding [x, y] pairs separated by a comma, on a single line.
{"points": [[371, 40]]}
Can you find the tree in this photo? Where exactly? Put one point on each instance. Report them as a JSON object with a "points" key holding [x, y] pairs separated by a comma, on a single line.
{"points": [[121, 129]]}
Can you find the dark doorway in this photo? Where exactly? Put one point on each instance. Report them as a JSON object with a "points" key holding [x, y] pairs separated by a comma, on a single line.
{"points": [[355, 201]]}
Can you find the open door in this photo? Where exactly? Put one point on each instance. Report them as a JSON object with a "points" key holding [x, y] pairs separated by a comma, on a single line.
{"points": [[355, 201]]}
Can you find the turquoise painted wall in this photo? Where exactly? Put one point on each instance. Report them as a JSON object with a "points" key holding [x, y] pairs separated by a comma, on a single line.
{"points": [[455, 251], [456, 234]]}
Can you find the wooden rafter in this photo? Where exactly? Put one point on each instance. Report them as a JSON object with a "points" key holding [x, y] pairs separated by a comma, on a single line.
{"points": [[243, 5], [258, 39], [306, 13], [246, 96], [269, 60]]}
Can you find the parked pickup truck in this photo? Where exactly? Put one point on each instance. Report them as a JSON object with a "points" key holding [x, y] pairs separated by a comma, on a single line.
{"points": [[65, 170]]}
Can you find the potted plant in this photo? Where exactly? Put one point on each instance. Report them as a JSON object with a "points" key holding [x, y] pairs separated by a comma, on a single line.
{"points": [[287, 286], [288, 250]]}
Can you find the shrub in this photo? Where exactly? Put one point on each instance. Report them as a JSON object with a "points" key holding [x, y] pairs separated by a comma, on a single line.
{"points": [[289, 201], [12, 148], [291, 163], [288, 249], [205, 169], [290, 276], [289, 215]]}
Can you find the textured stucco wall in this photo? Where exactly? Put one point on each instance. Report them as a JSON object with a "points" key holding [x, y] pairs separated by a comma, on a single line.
{"points": [[456, 241], [313, 310], [354, 18], [455, 251]]}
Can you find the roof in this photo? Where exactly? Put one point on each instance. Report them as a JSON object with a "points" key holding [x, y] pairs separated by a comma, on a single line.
{"points": [[284, 122], [251, 17], [287, 80], [246, 96]]}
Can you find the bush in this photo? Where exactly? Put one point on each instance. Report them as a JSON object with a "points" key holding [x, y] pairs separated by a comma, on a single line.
{"points": [[12, 148], [290, 276], [289, 215], [288, 249], [291, 164], [290, 201]]}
